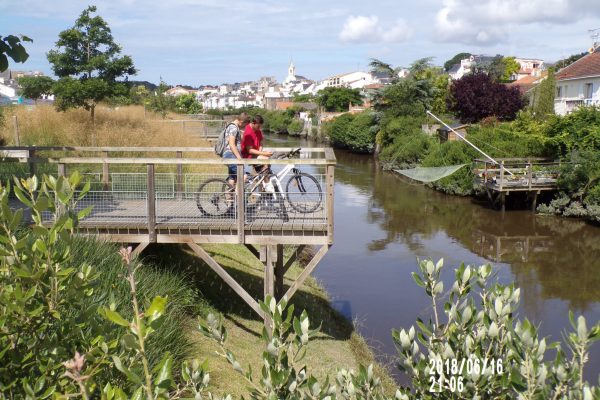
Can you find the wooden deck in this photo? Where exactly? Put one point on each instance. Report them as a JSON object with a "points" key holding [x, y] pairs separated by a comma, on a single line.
{"points": [[138, 198], [531, 175]]}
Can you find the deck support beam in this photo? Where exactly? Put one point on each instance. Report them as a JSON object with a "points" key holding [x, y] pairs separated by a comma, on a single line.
{"points": [[229, 280], [139, 248]]}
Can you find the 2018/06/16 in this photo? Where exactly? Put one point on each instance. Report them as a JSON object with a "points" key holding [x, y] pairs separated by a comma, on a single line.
{"points": [[455, 369]]}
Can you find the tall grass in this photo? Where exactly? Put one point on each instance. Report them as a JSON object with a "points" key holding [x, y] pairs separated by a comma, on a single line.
{"points": [[184, 302], [42, 125]]}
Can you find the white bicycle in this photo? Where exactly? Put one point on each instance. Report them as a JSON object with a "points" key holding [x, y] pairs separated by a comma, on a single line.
{"points": [[264, 191]]}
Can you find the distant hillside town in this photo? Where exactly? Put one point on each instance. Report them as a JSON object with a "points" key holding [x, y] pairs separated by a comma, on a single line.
{"points": [[267, 93], [577, 82]]}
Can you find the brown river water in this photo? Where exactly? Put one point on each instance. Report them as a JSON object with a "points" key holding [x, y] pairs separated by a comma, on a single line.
{"points": [[384, 224]]}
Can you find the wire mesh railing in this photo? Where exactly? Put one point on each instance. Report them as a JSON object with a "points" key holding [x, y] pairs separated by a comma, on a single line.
{"points": [[174, 194]]}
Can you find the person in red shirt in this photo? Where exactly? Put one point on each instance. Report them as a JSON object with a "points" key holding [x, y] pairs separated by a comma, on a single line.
{"points": [[252, 142]]}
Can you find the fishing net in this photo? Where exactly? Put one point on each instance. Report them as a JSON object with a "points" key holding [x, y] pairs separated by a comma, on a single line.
{"points": [[429, 174]]}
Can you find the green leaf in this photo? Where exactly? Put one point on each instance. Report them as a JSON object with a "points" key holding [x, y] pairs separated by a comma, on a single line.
{"points": [[129, 374], [164, 379], [115, 317], [418, 279], [156, 309]]}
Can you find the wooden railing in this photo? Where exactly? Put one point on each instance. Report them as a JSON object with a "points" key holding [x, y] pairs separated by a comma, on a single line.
{"points": [[237, 231], [517, 173]]}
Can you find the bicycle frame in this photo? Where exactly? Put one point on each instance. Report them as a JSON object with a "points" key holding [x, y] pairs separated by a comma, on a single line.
{"points": [[259, 179]]}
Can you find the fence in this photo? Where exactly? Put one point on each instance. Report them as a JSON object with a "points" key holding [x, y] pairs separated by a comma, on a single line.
{"points": [[167, 199]]}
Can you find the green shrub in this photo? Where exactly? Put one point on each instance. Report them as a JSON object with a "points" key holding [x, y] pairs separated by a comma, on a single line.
{"points": [[52, 284], [477, 348], [355, 132]]}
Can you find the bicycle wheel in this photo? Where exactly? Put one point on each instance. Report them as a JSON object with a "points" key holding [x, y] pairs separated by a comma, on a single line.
{"points": [[304, 192], [215, 197]]}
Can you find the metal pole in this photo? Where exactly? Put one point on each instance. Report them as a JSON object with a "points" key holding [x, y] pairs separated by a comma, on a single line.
{"points": [[465, 139]]}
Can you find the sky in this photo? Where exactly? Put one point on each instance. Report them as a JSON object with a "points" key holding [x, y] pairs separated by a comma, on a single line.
{"points": [[199, 42]]}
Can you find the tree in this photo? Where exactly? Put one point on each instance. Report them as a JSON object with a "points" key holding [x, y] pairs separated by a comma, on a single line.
{"points": [[160, 102], [188, 104], [338, 98], [88, 62], [565, 62], [34, 87], [477, 96], [455, 60], [543, 97], [11, 46], [511, 66]]}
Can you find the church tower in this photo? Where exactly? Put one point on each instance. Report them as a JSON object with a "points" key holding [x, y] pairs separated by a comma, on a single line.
{"points": [[291, 76]]}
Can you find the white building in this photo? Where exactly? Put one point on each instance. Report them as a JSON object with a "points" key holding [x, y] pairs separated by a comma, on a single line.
{"points": [[528, 67], [578, 84], [467, 65], [353, 80]]}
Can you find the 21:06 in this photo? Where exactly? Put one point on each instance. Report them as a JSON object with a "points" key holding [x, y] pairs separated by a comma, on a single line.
{"points": [[453, 384]]}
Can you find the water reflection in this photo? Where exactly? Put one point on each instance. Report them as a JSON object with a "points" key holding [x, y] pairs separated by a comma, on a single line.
{"points": [[382, 224]]}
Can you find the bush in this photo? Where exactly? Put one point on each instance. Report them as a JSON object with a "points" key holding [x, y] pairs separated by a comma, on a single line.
{"points": [[477, 96], [355, 132], [478, 349], [50, 294]]}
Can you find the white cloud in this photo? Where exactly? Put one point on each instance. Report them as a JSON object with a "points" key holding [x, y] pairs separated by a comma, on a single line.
{"points": [[487, 22], [360, 29], [368, 29]]}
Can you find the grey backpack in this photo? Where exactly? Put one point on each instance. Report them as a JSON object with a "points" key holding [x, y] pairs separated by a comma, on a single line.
{"points": [[221, 144]]}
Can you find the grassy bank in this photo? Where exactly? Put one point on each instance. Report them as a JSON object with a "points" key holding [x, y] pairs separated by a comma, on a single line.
{"points": [[336, 346], [193, 289]]}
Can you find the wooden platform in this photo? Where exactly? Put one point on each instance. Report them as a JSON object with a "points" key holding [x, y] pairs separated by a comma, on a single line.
{"points": [[531, 175], [137, 205]]}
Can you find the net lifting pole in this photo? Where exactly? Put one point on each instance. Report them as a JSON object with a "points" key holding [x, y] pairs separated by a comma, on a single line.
{"points": [[465, 139]]}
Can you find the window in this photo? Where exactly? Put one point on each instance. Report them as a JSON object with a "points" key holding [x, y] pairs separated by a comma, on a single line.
{"points": [[559, 91], [589, 90]]}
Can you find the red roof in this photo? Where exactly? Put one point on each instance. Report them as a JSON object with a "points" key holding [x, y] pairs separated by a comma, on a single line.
{"points": [[588, 65], [525, 84]]}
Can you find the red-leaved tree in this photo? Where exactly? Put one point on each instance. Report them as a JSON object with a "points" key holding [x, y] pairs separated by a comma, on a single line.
{"points": [[477, 96]]}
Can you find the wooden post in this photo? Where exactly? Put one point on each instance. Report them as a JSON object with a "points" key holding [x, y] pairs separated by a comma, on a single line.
{"points": [[269, 282], [501, 175], [330, 186], [179, 184], [31, 164], [62, 171], [151, 205], [239, 195], [534, 200], [529, 174], [105, 172], [279, 272], [503, 201], [16, 126]]}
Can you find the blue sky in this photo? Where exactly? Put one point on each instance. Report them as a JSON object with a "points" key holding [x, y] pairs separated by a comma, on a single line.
{"points": [[210, 41]]}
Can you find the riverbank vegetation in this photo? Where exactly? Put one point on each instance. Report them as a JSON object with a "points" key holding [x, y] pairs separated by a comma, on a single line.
{"points": [[501, 122], [91, 323]]}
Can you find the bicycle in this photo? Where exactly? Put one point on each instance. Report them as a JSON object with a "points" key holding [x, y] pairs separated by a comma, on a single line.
{"points": [[215, 196]]}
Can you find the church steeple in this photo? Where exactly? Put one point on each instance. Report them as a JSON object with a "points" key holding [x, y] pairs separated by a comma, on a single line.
{"points": [[291, 76]]}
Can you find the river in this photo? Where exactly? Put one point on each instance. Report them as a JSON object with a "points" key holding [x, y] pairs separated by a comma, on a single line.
{"points": [[384, 224]]}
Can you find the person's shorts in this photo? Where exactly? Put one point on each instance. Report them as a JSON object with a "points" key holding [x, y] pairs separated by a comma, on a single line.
{"points": [[231, 168]]}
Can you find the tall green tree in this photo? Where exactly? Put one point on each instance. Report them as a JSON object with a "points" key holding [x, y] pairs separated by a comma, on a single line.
{"points": [[543, 97], [338, 98], [88, 62], [34, 87], [12, 46]]}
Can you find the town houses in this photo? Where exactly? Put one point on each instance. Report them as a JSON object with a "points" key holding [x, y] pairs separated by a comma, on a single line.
{"points": [[268, 93]]}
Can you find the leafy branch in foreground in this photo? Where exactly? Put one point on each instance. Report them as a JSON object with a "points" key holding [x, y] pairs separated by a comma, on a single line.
{"points": [[505, 357], [283, 375]]}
